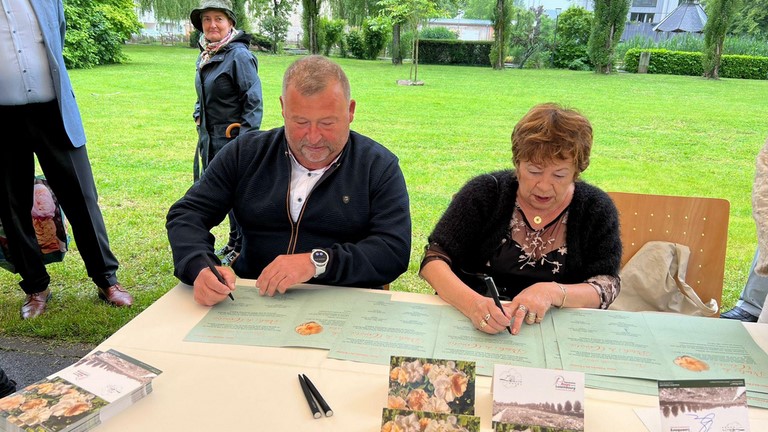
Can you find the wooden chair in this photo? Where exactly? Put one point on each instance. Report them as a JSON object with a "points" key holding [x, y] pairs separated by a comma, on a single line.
{"points": [[699, 223]]}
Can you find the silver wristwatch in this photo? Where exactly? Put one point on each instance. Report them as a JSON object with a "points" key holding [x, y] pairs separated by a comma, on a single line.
{"points": [[319, 258]]}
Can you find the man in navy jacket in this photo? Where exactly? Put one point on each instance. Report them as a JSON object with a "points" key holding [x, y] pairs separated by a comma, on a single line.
{"points": [[316, 201]]}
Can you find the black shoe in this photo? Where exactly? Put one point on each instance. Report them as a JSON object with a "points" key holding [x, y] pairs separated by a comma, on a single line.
{"points": [[8, 389], [740, 314]]}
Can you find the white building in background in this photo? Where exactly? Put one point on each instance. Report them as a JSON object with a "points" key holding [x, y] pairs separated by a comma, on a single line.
{"points": [[153, 28], [647, 11]]}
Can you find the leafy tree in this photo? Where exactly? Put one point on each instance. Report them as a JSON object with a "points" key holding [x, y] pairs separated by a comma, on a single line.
{"points": [[568, 406], [355, 43], [483, 9], [310, 22], [178, 10], [354, 11], [275, 21], [174, 10], [573, 28], [332, 32], [411, 12], [577, 406], [96, 31], [719, 16], [375, 32], [501, 18], [752, 19], [528, 35], [610, 17]]}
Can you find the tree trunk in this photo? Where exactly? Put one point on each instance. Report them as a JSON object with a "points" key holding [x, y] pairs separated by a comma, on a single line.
{"points": [[397, 54], [500, 34], [416, 59], [718, 54]]}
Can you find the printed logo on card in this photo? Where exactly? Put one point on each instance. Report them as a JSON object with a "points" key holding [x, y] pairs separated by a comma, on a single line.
{"points": [[563, 385], [511, 379]]}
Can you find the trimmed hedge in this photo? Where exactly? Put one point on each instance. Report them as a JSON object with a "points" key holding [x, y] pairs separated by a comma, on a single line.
{"points": [[455, 52], [689, 63]]}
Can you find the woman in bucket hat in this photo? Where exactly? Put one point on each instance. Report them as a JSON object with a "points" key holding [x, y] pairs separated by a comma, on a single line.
{"points": [[229, 100]]}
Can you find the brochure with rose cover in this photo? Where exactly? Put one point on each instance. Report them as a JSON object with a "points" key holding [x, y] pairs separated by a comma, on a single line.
{"points": [[703, 405], [80, 396], [537, 399], [430, 392], [393, 420]]}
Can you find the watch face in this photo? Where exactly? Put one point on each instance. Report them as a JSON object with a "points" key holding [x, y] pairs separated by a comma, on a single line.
{"points": [[319, 257]]}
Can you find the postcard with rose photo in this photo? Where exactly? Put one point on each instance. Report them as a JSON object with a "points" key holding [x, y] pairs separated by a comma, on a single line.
{"points": [[395, 420], [50, 405], [423, 384]]}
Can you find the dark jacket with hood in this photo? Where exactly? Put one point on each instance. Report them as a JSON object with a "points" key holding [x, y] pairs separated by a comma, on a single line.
{"points": [[228, 91]]}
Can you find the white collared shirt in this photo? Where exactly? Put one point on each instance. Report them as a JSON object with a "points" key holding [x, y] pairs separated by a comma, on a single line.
{"points": [[303, 181], [25, 71]]}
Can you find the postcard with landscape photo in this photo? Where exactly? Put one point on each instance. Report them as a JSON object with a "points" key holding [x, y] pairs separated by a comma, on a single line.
{"points": [[110, 375], [709, 405], [423, 384], [393, 420], [545, 400]]}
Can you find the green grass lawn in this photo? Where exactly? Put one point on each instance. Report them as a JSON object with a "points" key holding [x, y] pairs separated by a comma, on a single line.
{"points": [[653, 134]]}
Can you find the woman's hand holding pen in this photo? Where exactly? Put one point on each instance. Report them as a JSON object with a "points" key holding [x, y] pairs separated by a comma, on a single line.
{"points": [[208, 290], [487, 317]]}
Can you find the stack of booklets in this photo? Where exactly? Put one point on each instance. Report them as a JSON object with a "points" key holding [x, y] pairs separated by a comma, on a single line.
{"points": [[79, 397]]}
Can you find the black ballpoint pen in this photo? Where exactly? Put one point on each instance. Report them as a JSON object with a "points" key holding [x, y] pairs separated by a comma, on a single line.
{"points": [[316, 393], [495, 294], [308, 395], [212, 266]]}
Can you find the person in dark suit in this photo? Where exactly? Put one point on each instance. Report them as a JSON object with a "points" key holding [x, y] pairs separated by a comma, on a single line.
{"points": [[37, 103]]}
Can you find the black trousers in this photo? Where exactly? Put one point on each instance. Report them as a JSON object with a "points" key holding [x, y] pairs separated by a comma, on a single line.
{"points": [[68, 172]]}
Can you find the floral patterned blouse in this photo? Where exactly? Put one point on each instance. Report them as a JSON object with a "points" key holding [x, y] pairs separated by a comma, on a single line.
{"points": [[527, 256]]}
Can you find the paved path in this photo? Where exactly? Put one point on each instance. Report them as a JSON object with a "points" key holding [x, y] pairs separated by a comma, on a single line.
{"points": [[26, 360]]}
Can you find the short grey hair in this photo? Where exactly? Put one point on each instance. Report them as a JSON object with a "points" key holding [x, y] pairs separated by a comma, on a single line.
{"points": [[312, 74]]}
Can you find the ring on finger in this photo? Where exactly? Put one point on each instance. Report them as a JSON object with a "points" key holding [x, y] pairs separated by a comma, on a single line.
{"points": [[531, 316], [487, 317], [539, 319], [483, 323], [522, 308]]}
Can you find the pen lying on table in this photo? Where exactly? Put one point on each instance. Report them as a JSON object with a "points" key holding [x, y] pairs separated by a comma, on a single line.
{"points": [[316, 393], [212, 266], [308, 395]]}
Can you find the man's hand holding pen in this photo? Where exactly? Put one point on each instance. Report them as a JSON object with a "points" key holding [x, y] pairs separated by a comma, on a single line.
{"points": [[209, 289]]}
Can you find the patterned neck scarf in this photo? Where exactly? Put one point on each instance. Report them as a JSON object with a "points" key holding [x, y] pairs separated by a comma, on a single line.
{"points": [[210, 48]]}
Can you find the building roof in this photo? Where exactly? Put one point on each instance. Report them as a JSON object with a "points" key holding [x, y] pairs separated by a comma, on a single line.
{"points": [[687, 17]]}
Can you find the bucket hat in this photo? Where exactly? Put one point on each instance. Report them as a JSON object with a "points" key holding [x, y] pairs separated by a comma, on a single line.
{"points": [[220, 5]]}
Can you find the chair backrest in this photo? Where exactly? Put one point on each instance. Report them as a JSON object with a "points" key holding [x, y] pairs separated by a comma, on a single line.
{"points": [[699, 223]]}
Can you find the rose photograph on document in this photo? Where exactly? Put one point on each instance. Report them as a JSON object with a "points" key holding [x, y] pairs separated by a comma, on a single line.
{"points": [[442, 386]]}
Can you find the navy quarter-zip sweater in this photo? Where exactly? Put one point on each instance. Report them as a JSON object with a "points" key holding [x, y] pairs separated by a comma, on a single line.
{"points": [[358, 212]]}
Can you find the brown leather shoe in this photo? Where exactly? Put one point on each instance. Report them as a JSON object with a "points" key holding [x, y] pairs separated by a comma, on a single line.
{"points": [[35, 304], [116, 295]]}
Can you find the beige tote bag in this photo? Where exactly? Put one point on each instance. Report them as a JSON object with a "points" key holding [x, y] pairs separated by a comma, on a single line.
{"points": [[654, 280]]}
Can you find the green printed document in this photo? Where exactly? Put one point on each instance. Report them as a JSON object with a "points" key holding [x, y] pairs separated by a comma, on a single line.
{"points": [[616, 349]]}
